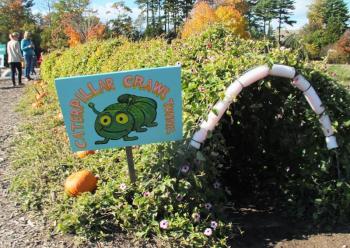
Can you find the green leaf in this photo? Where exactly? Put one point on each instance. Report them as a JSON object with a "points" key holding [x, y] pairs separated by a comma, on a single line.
{"points": [[200, 156]]}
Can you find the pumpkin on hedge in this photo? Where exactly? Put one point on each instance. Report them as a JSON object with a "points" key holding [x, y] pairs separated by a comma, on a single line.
{"points": [[59, 116], [83, 154], [36, 105], [80, 182], [40, 96]]}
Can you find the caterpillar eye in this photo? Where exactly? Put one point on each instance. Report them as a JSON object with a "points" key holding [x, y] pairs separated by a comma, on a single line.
{"points": [[121, 118], [105, 120]]}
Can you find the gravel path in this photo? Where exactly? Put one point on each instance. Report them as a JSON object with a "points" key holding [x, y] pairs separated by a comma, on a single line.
{"points": [[17, 229]]}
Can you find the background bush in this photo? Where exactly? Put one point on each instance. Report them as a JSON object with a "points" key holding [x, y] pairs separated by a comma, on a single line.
{"points": [[268, 144]]}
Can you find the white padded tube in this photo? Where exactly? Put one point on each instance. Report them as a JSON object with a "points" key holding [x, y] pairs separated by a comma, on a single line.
{"points": [[254, 75], [213, 118], [301, 83], [198, 138], [314, 100], [331, 142], [282, 71], [233, 90], [221, 106], [326, 125]]}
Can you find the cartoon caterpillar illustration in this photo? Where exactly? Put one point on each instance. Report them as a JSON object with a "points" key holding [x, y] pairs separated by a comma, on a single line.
{"points": [[131, 113]]}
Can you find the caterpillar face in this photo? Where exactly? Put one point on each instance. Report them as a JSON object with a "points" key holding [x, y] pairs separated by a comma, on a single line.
{"points": [[112, 124]]}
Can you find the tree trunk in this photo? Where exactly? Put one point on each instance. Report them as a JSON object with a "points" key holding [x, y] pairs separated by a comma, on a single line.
{"points": [[174, 15], [147, 17], [165, 20], [153, 16], [279, 28], [159, 18]]}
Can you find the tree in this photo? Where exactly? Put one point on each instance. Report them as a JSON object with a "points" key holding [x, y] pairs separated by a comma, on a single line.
{"points": [[252, 19], [342, 48], [283, 9], [336, 10], [266, 11], [327, 22], [164, 16], [122, 24], [71, 22], [14, 15], [344, 43], [336, 16], [82, 28], [315, 15], [203, 15]]}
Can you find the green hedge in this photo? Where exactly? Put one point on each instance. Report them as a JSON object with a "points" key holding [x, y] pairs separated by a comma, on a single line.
{"points": [[43, 159]]}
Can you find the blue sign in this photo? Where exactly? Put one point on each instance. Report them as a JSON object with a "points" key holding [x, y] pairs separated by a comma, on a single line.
{"points": [[2, 49], [122, 108]]}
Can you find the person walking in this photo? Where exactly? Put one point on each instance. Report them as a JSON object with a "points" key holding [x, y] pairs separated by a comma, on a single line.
{"points": [[14, 58], [27, 48]]}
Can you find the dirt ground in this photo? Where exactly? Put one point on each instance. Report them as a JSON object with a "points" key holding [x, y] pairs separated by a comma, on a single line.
{"points": [[264, 228], [260, 228]]}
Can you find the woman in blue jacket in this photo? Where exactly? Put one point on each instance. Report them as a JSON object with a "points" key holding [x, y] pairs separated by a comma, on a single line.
{"points": [[27, 48]]}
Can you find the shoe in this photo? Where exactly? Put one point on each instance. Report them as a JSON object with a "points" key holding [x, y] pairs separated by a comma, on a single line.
{"points": [[21, 84], [28, 79]]}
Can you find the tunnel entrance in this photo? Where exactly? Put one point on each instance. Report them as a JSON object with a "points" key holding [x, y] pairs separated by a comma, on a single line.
{"points": [[270, 137]]}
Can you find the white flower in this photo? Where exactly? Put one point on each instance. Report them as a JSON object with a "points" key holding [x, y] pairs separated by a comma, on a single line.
{"points": [[179, 197], [185, 168], [196, 217], [122, 186], [213, 224], [208, 206], [146, 194], [216, 185], [208, 232], [164, 224]]}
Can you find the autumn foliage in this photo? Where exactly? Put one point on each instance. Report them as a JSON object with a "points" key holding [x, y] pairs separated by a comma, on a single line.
{"points": [[73, 36], [343, 45], [229, 13], [339, 52], [80, 30]]}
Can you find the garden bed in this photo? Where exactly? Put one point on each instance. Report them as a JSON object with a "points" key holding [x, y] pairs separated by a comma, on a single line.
{"points": [[269, 145]]}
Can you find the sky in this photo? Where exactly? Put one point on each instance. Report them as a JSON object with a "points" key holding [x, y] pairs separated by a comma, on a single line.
{"points": [[105, 11]]}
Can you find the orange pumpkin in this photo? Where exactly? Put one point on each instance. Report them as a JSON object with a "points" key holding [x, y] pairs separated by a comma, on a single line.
{"points": [[79, 182], [59, 116], [36, 104], [40, 96], [83, 154]]}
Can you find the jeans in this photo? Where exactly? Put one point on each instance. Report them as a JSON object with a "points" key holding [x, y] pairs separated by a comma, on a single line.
{"points": [[28, 59], [18, 66]]}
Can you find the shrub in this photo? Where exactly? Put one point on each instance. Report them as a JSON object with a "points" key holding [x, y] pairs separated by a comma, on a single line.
{"points": [[251, 147]]}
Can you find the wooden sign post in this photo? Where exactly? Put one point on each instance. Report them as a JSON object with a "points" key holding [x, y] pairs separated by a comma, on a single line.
{"points": [[131, 165]]}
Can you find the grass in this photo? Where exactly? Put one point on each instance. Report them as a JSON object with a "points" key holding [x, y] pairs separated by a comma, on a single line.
{"points": [[341, 72]]}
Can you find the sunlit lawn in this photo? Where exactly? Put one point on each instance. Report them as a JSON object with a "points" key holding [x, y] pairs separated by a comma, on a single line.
{"points": [[341, 72]]}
